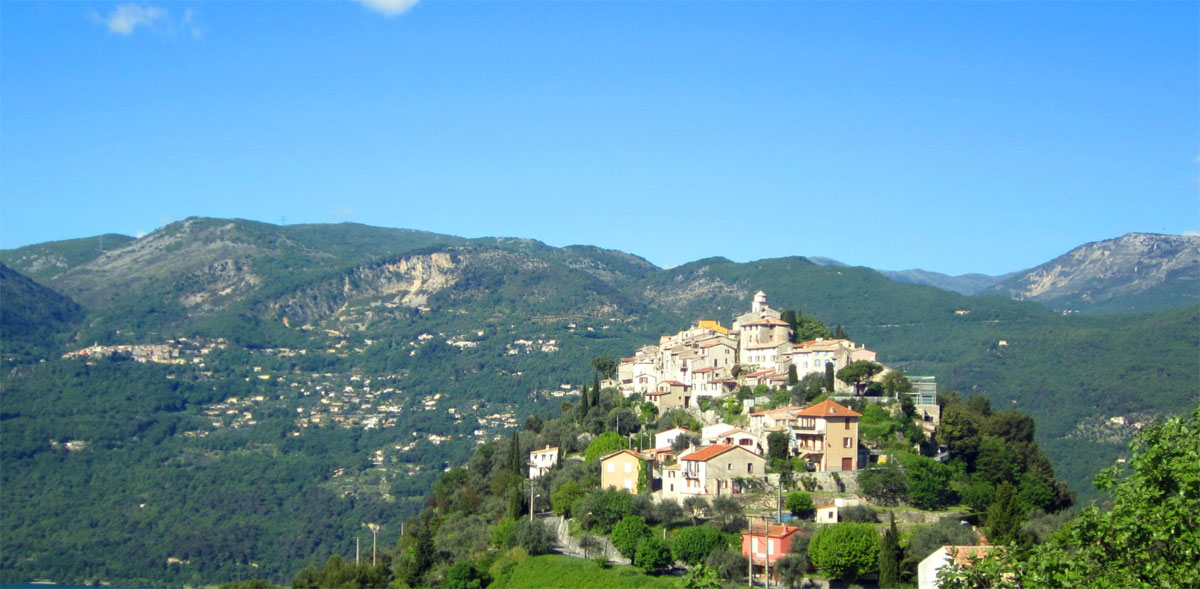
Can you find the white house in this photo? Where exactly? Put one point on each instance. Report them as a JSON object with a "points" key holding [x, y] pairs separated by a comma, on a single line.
{"points": [[541, 461]]}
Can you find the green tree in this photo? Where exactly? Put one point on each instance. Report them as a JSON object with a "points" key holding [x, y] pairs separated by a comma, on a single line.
{"points": [[959, 432], [1148, 537], [845, 550], [728, 512], [628, 533], [465, 575], [604, 365], [839, 333], [928, 482], [895, 382], [562, 498], [810, 328], [793, 376], [652, 554], [533, 536], [696, 507], [603, 508], [829, 375], [777, 446], [695, 543], [800, 503], [886, 485], [858, 374], [605, 443], [1005, 516], [890, 556]]}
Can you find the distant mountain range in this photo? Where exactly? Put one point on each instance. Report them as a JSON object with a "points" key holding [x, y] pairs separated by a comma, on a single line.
{"points": [[489, 328], [1134, 273]]}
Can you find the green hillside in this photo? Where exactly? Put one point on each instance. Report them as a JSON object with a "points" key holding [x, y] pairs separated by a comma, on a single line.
{"points": [[314, 364], [33, 319]]}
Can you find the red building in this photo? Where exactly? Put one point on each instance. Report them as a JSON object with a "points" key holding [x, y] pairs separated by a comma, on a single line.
{"points": [[764, 544]]}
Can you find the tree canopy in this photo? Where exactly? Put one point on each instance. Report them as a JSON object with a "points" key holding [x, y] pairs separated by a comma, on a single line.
{"points": [[1149, 537]]}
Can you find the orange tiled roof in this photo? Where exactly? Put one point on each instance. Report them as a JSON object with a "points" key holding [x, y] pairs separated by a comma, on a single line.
{"points": [[828, 408], [708, 452]]}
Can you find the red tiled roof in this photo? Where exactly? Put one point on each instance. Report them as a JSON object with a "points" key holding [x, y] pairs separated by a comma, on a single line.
{"points": [[703, 370], [676, 383], [708, 452], [771, 530], [828, 408]]}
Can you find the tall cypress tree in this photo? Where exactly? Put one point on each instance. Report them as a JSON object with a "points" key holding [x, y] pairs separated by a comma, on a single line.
{"points": [[514, 456], [1005, 516], [890, 556], [829, 377]]}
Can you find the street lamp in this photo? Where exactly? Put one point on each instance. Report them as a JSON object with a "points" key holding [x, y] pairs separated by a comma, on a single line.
{"points": [[374, 533]]}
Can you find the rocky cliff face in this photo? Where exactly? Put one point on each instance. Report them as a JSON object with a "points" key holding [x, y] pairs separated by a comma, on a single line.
{"points": [[1133, 273]]}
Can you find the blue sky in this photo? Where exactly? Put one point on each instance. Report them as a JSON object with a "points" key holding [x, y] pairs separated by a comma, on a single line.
{"points": [[955, 137]]}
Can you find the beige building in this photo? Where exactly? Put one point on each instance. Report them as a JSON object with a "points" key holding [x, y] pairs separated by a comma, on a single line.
{"points": [[713, 470], [619, 470], [826, 434]]}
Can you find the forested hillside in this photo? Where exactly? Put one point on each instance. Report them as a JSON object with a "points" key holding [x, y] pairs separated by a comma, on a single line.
{"points": [[310, 378]]}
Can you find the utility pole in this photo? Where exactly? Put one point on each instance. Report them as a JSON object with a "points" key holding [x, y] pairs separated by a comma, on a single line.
{"points": [[531, 501], [374, 537], [356, 551]]}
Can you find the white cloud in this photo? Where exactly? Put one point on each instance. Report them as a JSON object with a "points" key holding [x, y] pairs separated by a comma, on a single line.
{"points": [[388, 8], [192, 24], [1192, 233], [127, 17]]}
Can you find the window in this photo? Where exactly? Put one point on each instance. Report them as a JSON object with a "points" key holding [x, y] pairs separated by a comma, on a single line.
{"points": [[611, 467], [629, 467], [749, 467], [847, 422], [847, 442]]}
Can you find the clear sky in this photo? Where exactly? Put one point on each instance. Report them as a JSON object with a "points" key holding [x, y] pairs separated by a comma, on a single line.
{"points": [[956, 137]]}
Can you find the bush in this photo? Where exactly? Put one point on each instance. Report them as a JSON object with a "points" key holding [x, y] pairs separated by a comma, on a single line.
{"points": [[532, 536], [602, 509], [652, 554], [800, 504], [628, 533], [846, 551], [695, 543], [858, 513]]}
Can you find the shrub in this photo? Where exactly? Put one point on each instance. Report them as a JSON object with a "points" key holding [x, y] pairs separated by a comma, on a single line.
{"points": [[695, 543], [846, 551]]}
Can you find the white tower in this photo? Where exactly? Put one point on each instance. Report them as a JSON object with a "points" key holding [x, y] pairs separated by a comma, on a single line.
{"points": [[760, 302]]}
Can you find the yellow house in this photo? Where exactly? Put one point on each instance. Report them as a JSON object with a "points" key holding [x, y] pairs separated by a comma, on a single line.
{"points": [[619, 470]]}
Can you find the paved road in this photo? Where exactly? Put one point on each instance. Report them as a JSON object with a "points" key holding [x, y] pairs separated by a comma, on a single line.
{"points": [[569, 545]]}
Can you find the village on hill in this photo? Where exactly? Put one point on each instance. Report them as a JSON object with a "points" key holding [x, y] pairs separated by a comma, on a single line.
{"points": [[732, 385]]}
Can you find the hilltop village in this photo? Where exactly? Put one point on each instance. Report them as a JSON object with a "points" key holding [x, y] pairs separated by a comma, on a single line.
{"points": [[701, 370], [740, 435]]}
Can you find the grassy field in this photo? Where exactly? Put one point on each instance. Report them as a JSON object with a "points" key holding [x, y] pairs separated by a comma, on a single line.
{"points": [[553, 570]]}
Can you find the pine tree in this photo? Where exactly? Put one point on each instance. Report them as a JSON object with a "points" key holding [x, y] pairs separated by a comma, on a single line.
{"points": [[596, 387], [829, 377], [1005, 516], [839, 333], [890, 556]]}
